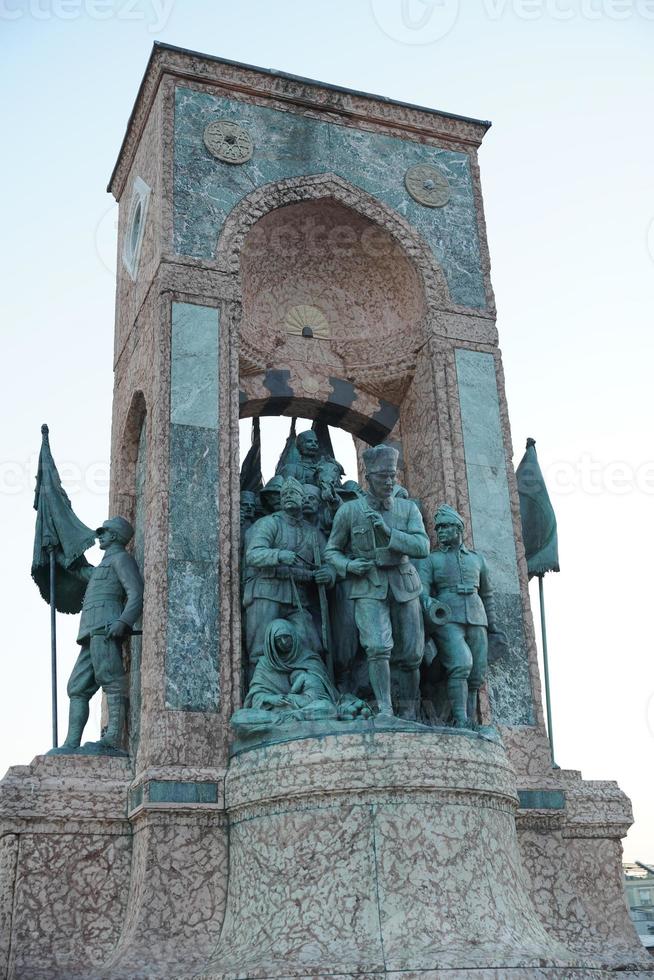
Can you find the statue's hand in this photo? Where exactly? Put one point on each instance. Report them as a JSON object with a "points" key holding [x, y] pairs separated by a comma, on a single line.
{"points": [[359, 566], [115, 631], [287, 557], [268, 701], [298, 684], [324, 575], [381, 527]]}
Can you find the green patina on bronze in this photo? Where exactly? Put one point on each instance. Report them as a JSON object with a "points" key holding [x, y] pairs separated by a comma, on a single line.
{"points": [[459, 609], [112, 603]]}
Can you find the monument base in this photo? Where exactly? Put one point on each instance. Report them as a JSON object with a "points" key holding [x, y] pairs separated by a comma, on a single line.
{"points": [[355, 854], [379, 854]]}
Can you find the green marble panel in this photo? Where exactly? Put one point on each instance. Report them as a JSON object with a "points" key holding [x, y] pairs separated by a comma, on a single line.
{"points": [[169, 791], [492, 529], [135, 797], [192, 648], [193, 488], [192, 654], [194, 366], [290, 145], [541, 799], [492, 523]]}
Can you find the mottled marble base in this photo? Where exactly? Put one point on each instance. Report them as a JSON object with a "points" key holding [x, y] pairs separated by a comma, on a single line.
{"points": [[363, 854], [378, 853]]}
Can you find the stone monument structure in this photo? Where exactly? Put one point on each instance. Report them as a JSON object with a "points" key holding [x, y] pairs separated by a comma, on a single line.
{"points": [[291, 248]]}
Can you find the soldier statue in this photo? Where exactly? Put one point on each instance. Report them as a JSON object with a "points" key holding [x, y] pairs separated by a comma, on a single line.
{"points": [[270, 495], [284, 556], [459, 612], [113, 602], [304, 468], [371, 542], [248, 510]]}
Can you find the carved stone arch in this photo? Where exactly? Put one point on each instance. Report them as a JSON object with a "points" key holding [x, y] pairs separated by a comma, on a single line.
{"points": [[124, 498], [313, 187]]}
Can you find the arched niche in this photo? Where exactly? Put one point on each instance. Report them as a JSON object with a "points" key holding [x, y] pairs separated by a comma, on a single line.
{"points": [[132, 444], [318, 253]]}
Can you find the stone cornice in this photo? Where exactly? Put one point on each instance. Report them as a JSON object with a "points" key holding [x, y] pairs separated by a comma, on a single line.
{"points": [[341, 104]]}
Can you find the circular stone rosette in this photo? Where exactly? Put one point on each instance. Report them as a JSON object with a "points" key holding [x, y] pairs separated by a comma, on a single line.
{"points": [[227, 141], [427, 186]]}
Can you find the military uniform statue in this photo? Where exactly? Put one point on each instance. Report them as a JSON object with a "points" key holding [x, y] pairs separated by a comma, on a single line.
{"points": [[284, 558], [371, 542], [270, 495], [304, 468], [457, 578], [113, 601]]}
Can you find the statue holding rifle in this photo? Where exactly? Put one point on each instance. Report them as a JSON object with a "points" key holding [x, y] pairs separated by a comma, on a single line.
{"points": [[285, 556], [110, 598], [113, 601]]}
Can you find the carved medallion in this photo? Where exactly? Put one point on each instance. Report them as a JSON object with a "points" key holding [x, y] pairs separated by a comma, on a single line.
{"points": [[427, 185], [307, 321], [228, 141]]}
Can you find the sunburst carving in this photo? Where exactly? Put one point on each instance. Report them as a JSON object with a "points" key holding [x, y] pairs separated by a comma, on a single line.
{"points": [[307, 321]]}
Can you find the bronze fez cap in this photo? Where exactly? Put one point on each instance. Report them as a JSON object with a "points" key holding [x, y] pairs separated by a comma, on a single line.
{"points": [[447, 515], [248, 497], [380, 457], [121, 528]]}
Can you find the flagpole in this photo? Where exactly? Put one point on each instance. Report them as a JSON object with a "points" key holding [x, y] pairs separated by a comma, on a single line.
{"points": [[53, 646], [546, 668]]}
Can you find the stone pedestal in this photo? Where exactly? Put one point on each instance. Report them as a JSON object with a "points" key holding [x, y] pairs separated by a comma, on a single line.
{"points": [[355, 854], [378, 854], [65, 856]]}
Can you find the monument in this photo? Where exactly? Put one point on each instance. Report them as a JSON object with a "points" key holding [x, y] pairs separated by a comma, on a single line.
{"points": [[316, 800]]}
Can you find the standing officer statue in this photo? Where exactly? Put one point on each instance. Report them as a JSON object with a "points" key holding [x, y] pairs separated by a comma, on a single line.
{"points": [[459, 613], [113, 601], [371, 542]]}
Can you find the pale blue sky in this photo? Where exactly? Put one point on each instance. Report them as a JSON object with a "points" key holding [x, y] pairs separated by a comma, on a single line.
{"points": [[567, 178]]}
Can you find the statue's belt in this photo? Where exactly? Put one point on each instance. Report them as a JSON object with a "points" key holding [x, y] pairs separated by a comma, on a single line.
{"points": [[102, 600], [298, 574], [385, 558], [460, 589]]}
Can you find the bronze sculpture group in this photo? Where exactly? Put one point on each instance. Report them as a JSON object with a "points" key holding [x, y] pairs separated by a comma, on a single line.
{"points": [[350, 573], [344, 607]]}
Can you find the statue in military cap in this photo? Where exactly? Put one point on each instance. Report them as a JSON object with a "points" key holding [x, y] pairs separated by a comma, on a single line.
{"points": [[459, 612], [113, 601], [372, 539]]}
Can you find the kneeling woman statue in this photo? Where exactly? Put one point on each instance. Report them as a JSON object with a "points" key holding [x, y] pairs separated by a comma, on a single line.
{"points": [[290, 684]]}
